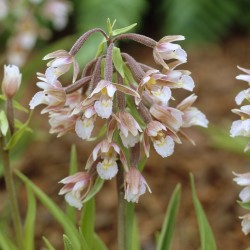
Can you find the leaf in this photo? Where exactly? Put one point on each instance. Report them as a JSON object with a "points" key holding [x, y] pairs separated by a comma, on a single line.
{"points": [[245, 205], [18, 134], [98, 243], [123, 30], [84, 244], [166, 235], [206, 234], [29, 226], [67, 243], [100, 48], [87, 223], [73, 168], [117, 60], [48, 244], [4, 125], [132, 237], [109, 27], [95, 189], [6, 243], [57, 213]]}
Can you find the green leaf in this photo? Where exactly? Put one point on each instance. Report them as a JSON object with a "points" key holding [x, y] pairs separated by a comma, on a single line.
{"points": [[73, 167], [29, 226], [245, 205], [206, 234], [87, 223], [166, 235], [100, 48], [18, 134], [84, 244], [6, 243], [117, 60], [67, 243], [95, 189], [57, 213], [98, 243], [48, 244], [123, 30], [4, 125], [109, 27], [132, 236]]}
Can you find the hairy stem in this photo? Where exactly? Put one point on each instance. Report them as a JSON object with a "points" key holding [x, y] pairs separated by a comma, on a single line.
{"points": [[10, 187], [121, 227]]}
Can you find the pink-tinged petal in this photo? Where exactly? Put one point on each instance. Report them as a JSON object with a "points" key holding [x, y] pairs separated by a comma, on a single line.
{"points": [[128, 122], [116, 148], [96, 150], [158, 59], [186, 82], [146, 144], [38, 98], [244, 70], [245, 94], [130, 140], [187, 102], [242, 179], [192, 116], [154, 127], [184, 136], [171, 38], [55, 54], [44, 85], [89, 112], [162, 94], [76, 69], [124, 161], [100, 86], [164, 148], [66, 188], [126, 90], [74, 178]]}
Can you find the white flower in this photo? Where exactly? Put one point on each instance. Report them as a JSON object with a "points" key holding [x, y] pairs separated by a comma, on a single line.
{"points": [[107, 169], [104, 107], [164, 146], [242, 179], [245, 224], [11, 80], [245, 194], [240, 128]]}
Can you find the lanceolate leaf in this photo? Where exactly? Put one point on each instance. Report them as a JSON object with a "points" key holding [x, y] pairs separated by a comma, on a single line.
{"points": [[88, 221], [6, 243], [57, 213], [206, 234], [99, 244], [95, 189], [29, 226], [124, 30], [166, 235], [67, 243], [48, 244], [117, 60]]}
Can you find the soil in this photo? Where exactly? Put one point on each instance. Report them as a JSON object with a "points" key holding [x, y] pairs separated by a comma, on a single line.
{"points": [[213, 69]]}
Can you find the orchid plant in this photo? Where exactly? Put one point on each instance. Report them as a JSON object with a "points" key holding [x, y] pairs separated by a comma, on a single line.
{"points": [[136, 105], [134, 101], [242, 128]]}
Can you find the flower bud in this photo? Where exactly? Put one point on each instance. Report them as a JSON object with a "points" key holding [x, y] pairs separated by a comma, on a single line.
{"points": [[11, 80]]}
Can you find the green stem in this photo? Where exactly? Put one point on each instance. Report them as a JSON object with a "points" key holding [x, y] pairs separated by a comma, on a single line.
{"points": [[121, 212], [10, 187]]}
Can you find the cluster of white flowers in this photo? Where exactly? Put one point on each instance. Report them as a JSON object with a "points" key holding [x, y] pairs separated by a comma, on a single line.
{"points": [[242, 128], [131, 98], [28, 26]]}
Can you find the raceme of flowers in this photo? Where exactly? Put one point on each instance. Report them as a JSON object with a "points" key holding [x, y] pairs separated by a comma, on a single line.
{"points": [[30, 18], [242, 128], [134, 101]]}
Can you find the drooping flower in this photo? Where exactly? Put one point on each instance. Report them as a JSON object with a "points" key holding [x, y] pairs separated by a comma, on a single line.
{"points": [[166, 50], [242, 179], [75, 188], [135, 185], [105, 154], [245, 224], [53, 94], [11, 80]]}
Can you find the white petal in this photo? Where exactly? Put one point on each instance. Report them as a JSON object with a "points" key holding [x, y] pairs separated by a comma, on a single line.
{"points": [[245, 225], [130, 140], [84, 128], [37, 99], [240, 128], [104, 108], [187, 82], [106, 171], [162, 94], [245, 194], [111, 90], [165, 148], [193, 116], [73, 201], [240, 97]]}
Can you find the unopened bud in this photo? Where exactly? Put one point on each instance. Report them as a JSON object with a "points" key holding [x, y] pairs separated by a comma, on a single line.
{"points": [[11, 80]]}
